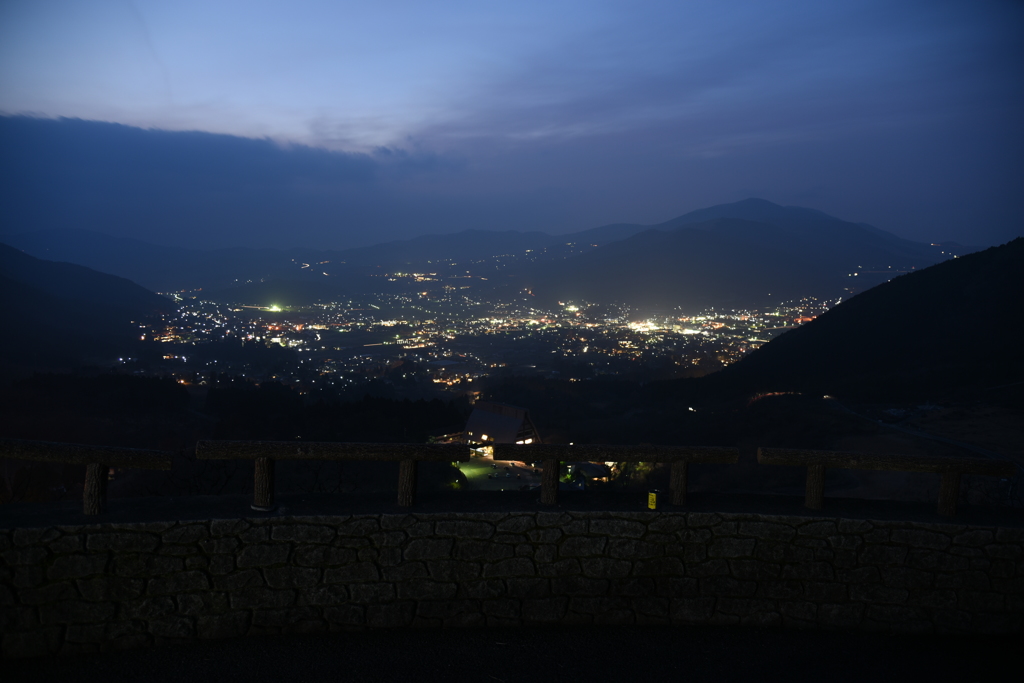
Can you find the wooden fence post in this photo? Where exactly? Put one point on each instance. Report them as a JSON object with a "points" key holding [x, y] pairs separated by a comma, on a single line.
{"points": [[263, 485], [949, 493], [549, 482], [406, 483], [94, 495], [678, 482], [815, 494]]}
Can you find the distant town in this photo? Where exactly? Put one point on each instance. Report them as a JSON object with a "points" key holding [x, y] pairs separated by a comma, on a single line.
{"points": [[445, 340]]}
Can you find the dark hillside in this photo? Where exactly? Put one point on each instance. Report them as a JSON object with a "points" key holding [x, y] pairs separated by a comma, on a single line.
{"points": [[61, 315], [953, 325]]}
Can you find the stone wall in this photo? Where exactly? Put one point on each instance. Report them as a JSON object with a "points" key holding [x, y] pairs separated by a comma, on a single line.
{"points": [[86, 588]]}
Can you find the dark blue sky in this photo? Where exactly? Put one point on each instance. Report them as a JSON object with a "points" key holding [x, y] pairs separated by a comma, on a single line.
{"points": [[333, 124]]}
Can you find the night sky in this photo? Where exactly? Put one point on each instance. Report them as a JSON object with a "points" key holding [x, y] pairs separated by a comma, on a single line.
{"points": [[333, 124]]}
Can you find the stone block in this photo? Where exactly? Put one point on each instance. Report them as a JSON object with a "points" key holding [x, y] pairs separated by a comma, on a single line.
{"points": [[364, 593], [220, 528], [255, 534], [115, 588], [180, 582], [1007, 551], [336, 594], [544, 535], [605, 568], [199, 563], [767, 531], [907, 577], [359, 571], [430, 549], [146, 608], [238, 580], [478, 590], [453, 570], [69, 543], [754, 570], [461, 529], [814, 571], [517, 524], [860, 575], [77, 566], [658, 566], [478, 551], [822, 529], [617, 528], [524, 550], [552, 519], [727, 586], [76, 612], [820, 591], [854, 526], [634, 586], [26, 555], [405, 571], [582, 546], [186, 533], [359, 526], [291, 577], [258, 597], [220, 545], [560, 568], [528, 588], [695, 520], [27, 576], [919, 538], [388, 539], [577, 585], [263, 555], [883, 555], [514, 567], [52, 592], [933, 560], [974, 538], [420, 589], [197, 604], [37, 536], [780, 590], [274, 618], [782, 552], [933, 599], [873, 593], [302, 533], [708, 568]]}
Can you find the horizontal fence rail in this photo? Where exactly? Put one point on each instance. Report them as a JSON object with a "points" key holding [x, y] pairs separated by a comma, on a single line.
{"points": [[553, 455], [264, 453], [951, 469], [97, 460]]}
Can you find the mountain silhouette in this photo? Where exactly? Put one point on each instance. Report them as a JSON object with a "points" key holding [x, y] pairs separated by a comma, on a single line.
{"points": [[954, 325], [63, 314]]}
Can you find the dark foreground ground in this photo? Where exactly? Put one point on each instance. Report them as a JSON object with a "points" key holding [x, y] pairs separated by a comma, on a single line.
{"points": [[650, 654]]}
